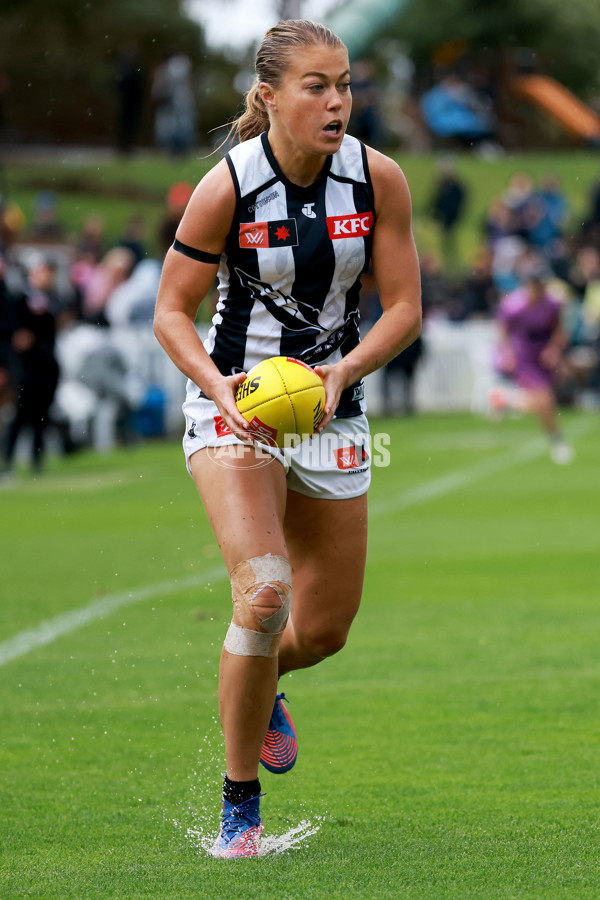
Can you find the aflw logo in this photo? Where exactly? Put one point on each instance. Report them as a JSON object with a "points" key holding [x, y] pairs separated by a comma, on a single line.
{"points": [[254, 238], [353, 225]]}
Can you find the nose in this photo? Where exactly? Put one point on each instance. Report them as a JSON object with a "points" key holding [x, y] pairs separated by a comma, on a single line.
{"points": [[334, 100]]}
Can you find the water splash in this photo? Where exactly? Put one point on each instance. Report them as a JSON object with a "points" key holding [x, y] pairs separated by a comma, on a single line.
{"points": [[290, 839], [199, 815]]}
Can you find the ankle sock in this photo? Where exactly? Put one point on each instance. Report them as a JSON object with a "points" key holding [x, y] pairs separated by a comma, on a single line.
{"points": [[237, 792]]}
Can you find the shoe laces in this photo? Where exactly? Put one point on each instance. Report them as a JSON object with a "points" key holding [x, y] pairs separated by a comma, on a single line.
{"points": [[237, 818]]}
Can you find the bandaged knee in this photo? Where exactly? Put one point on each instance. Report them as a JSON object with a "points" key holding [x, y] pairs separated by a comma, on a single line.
{"points": [[262, 594]]}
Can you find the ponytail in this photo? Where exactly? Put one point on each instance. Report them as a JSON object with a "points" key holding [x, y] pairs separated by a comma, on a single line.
{"points": [[254, 120]]}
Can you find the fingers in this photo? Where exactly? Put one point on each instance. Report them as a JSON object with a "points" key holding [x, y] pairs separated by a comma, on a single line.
{"points": [[333, 384], [225, 400]]}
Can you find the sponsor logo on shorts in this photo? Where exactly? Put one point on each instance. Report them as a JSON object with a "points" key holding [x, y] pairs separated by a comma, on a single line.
{"points": [[192, 431], [262, 432], [281, 233], [351, 457], [354, 225], [221, 428]]}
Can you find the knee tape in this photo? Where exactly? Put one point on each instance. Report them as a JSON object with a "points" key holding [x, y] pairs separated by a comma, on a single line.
{"points": [[259, 617]]}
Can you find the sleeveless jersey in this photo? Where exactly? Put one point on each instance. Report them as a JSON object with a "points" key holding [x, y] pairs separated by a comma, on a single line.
{"points": [[289, 278]]}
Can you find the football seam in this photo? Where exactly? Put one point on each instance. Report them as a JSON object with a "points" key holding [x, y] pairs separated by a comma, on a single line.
{"points": [[291, 396]]}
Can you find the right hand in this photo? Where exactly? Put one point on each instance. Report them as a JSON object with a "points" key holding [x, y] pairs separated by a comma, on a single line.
{"points": [[223, 394]]}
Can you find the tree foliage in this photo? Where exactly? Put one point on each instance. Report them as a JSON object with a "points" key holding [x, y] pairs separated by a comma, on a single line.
{"points": [[60, 60], [563, 35]]}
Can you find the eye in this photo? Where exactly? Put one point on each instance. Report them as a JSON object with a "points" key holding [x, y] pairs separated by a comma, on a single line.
{"points": [[345, 86], [315, 88]]}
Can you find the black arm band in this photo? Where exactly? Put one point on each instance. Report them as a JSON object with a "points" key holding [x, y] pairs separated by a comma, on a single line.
{"points": [[198, 255]]}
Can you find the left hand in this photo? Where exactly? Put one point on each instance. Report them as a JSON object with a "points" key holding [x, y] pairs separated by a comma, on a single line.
{"points": [[334, 381]]}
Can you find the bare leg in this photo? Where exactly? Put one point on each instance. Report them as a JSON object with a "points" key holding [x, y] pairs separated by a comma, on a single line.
{"points": [[245, 506], [327, 542], [542, 404]]}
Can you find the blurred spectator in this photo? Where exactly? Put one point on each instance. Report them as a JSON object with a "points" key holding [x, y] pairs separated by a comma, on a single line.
{"points": [[46, 226], [447, 208], [33, 366], [518, 198], [366, 118], [115, 268], [548, 214], [453, 109], [178, 198], [91, 243], [175, 116], [8, 312], [133, 301], [584, 270], [434, 288], [583, 354], [477, 296], [130, 86], [403, 367], [133, 237], [12, 222], [591, 225], [498, 222]]}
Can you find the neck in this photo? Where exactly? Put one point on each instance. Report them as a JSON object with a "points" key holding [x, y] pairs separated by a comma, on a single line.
{"points": [[299, 167]]}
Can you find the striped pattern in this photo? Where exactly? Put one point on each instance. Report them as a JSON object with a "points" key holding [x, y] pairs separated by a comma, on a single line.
{"points": [[298, 296], [280, 747]]}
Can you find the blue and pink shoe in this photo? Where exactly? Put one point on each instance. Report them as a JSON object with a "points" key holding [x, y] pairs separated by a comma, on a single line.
{"points": [[280, 747], [241, 828]]}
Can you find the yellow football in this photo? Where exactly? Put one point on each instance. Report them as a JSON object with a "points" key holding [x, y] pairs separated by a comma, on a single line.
{"points": [[283, 400]]}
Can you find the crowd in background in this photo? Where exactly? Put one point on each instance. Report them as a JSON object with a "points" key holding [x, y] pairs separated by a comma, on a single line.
{"points": [[87, 286]]}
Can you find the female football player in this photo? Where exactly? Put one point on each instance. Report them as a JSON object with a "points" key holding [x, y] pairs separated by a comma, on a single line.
{"points": [[288, 220]]}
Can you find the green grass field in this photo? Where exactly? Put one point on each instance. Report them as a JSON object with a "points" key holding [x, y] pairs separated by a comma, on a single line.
{"points": [[450, 751]]}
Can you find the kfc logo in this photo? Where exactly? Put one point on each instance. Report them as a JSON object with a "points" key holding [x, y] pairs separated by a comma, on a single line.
{"points": [[358, 225], [221, 428]]}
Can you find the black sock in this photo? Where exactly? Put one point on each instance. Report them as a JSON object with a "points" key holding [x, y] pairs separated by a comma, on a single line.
{"points": [[237, 792]]}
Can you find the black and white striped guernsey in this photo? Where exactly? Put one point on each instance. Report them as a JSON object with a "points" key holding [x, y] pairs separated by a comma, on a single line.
{"points": [[289, 278]]}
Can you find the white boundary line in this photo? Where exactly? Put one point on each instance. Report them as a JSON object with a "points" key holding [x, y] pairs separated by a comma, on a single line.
{"points": [[51, 629]]}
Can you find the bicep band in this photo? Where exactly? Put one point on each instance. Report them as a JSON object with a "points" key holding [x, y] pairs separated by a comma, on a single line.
{"points": [[198, 255]]}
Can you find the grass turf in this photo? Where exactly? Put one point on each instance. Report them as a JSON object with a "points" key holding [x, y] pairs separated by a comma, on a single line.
{"points": [[450, 751]]}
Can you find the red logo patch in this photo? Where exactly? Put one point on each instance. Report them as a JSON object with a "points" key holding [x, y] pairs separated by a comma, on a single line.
{"points": [[353, 225], [254, 234], [263, 432], [347, 457], [221, 428], [280, 233]]}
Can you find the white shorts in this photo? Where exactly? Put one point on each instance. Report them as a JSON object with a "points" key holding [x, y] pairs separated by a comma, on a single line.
{"points": [[335, 465]]}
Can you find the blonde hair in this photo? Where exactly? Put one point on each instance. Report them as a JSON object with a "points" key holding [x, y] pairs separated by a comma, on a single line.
{"points": [[272, 62]]}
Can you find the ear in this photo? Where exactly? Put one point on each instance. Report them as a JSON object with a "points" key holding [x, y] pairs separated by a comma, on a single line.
{"points": [[267, 95]]}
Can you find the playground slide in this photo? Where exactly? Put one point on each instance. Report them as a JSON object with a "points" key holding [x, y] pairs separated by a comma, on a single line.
{"points": [[557, 101]]}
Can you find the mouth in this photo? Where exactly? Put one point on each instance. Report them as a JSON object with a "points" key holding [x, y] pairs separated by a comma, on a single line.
{"points": [[334, 128]]}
